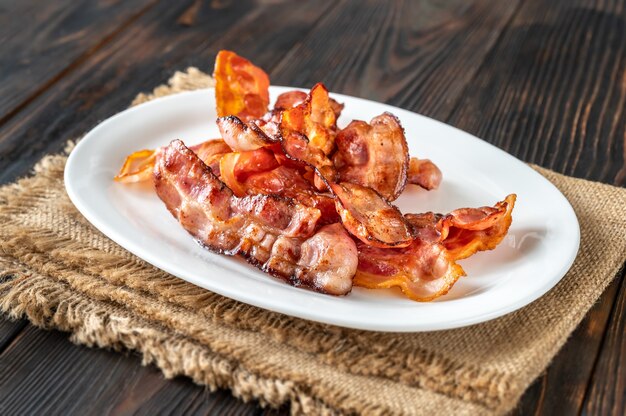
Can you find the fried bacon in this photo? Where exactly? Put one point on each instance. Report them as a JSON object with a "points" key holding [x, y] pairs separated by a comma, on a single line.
{"points": [[307, 133], [427, 268], [241, 89], [292, 99], [374, 155], [138, 166], [423, 270], [261, 193], [477, 229], [314, 118], [240, 136], [424, 173], [275, 234], [370, 218], [466, 231]]}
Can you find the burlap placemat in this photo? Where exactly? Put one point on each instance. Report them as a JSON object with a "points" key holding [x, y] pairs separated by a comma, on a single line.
{"points": [[60, 272]]}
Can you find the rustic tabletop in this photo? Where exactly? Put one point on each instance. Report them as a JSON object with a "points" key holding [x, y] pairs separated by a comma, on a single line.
{"points": [[543, 80]]}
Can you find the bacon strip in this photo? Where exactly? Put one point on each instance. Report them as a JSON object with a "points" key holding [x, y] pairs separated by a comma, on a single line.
{"points": [[370, 218], [307, 133], [477, 229], [241, 89], [427, 268], [138, 166], [275, 234], [292, 99], [423, 270], [374, 155], [240, 136], [466, 231], [424, 173], [314, 118]]}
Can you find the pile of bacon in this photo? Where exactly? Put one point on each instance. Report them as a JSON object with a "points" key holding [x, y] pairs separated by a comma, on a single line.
{"points": [[311, 203]]}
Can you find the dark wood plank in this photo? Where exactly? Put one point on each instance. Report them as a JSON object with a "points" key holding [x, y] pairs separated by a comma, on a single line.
{"points": [[552, 92], [561, 389], [40, 41], [143, 56], [9, 329], [549, 93], [417, 55], [42, 373], [607, 391]]}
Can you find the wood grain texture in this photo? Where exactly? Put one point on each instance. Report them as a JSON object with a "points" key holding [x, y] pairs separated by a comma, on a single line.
{"points": [[42, 373], [57, 35], [9, 330], [416, 55], [553, 92], [143, 56], [550, 93], [606, 394]]}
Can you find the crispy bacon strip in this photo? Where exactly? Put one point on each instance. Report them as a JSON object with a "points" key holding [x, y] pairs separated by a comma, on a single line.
{"points": [[236, 167], [292, 99], [466, 231], [241, 89], [374, 155], [423, 271], [314, 118], [138, 166], [478, 229], [242, 137], [370, 218], [275, 234], [307, 133], [258, 172], [424, 173], [426, 269]]}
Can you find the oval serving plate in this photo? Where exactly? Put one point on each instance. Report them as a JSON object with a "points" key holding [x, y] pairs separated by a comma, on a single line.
{"points": [[537, 252]]}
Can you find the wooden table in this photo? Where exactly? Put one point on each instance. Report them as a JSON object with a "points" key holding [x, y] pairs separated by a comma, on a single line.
{"points": [[546, 81]]}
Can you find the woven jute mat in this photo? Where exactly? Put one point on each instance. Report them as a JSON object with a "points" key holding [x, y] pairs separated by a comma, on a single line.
{"points": [[60, 272]]}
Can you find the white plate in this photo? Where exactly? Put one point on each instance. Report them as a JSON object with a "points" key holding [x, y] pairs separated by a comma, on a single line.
{"points": [[539, 249]]}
